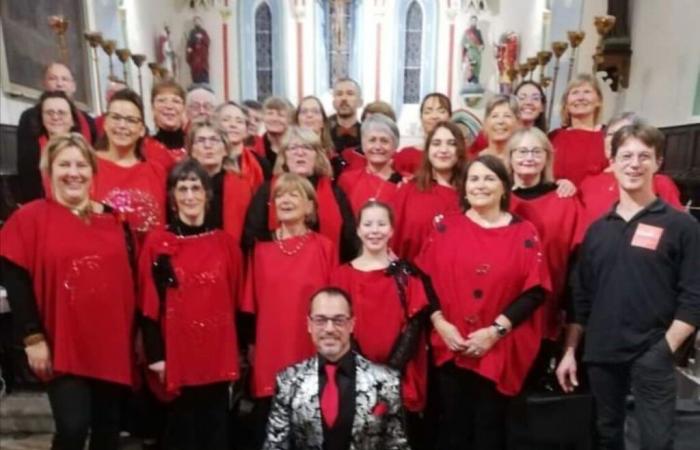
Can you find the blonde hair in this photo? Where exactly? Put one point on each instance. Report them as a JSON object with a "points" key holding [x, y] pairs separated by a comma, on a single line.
{"points": [[322, 165], [547, 174], [63, 141], [580, 80], [290, 182]]}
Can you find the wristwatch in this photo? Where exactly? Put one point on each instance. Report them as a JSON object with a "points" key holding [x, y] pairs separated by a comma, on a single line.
{"points": [[500, 329]]}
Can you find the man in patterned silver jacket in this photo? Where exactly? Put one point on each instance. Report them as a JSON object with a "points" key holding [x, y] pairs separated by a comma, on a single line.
{"points": [[336, 399]]}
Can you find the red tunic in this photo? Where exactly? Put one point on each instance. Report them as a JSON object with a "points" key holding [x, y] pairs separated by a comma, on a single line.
{"points": [[578, 153], [360, 186], [199, 323], [355, 159], [236, 197], [480, 142], [250, 169], [278, 290], [414, 215], [560, 226], [407, 160], [600, 192], [138, 191], [380, 318], [330, 220], [83, 286], [477, 273], [155, 151]]}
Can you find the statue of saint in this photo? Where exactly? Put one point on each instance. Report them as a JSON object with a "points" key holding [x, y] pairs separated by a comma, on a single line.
{"points": [[472, 48], [165, 54], [506, 57], [198, 52]]}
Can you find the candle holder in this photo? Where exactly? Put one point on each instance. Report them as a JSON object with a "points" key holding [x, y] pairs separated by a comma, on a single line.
{"points": [[512, 74], [545, 82], [109, 46], [558, 48], [603, 25], [523, 70], [123, 54], [59, 25], [543, 58], [532, 65], [156, 70], [575, 39], [94, 39], [138, 60]]}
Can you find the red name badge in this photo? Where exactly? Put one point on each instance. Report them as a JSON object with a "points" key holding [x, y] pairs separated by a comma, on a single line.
{"points": [[647, 236]]}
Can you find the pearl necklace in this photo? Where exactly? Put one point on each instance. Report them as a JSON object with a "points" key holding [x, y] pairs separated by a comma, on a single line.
{"points": [[297, 248]]}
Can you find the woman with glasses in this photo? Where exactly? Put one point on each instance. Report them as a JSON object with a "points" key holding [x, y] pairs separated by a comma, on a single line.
{"points": [[58, 116], [389, 304], [558, 220], [130, 179], [487, 269], [301, 154], [600, 192], [191, 282], [231, 193], [579, 143], [169, 117], [67, 267], [432, 193], [377, 180], [284, 269]]}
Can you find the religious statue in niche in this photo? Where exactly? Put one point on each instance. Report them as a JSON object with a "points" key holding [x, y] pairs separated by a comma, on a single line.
{"points": [[165, 54], [198, 52], [472, 49], [507, 57]]}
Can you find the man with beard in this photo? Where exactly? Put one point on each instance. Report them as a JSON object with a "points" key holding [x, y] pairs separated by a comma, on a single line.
{"points": [[336, 399], [345, 128]]}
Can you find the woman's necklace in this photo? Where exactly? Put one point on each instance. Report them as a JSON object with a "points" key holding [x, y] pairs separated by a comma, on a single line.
{"points": [[297, 248]]}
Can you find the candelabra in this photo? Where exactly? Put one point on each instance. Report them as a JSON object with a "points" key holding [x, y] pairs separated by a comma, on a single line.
{"points": [[575, 39]]}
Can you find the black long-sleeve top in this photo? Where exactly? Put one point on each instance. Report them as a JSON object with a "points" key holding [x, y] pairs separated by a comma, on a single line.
{"points": [[256, 222]]}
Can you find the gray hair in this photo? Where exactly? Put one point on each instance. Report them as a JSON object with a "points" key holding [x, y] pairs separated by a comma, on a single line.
{"points": [[627, 116], [382, 123]]}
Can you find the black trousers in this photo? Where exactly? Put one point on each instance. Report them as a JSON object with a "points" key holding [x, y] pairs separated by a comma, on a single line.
{"points": [[83, 405], [652, 381], [198, 419], [473, 412]]}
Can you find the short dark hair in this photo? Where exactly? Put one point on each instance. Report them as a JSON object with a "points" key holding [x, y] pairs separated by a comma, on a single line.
{"points": [[253, 104], [650, 136], [188, 169], [495, 165], [333, 291], [541, 121], [73, 110], [442, 99], [126, 95]]}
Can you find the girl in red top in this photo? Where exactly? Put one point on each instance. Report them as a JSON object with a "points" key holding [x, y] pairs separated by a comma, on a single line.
{"points": [[128, 180], [377, 180], [283, 272], [388, 301], [600, 192], [66, 267], [434, 108], [578, 144], [190, 279], [490, 277], [432, 194]]}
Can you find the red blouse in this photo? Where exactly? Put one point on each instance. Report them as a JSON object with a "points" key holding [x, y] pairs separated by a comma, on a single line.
{"points": [[83, 286], [360, 186], [407, 160], [578, 153]]}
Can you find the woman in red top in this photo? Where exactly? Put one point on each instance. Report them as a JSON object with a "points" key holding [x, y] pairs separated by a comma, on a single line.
{"points": [[169, 117], [128, 179], [190, 278], [578, 144], [488, 272], [432, 193], [434, 108], [388, 300], [66, 267], [283, 272], [377, 180], [600, 192], [301, 153]]}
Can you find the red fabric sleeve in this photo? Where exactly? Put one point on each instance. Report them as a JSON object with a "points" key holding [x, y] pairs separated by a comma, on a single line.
{"points": [[18, 235], [148, 301], [668, 191], [248, 299]]}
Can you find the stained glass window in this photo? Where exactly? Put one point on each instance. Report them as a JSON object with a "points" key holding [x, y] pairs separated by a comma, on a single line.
{"points": [[339, 29], [263, 50], [412, 58]]}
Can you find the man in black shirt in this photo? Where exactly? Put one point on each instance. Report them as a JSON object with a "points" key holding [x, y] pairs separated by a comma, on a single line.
{"points": [[637, 294], [336, 399], [345, 128]]}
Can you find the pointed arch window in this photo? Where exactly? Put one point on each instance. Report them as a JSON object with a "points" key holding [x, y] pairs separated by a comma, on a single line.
{"points": [[263, 51], [339, 18], [412, 56]]}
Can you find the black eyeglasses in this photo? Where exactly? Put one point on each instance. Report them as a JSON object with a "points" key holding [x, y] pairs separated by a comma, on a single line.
{"points": [[321, 321]]}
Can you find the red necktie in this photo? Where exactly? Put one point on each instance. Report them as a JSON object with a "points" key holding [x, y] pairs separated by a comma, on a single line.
{"points": [[330, 397]]}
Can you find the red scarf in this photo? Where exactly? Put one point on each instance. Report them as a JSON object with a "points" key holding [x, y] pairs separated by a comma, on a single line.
{"points": [[237, 193]]}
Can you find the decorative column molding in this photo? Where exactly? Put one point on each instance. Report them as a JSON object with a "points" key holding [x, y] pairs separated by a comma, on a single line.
{"points": [[451, 12], [225, 13], [379, 13]]}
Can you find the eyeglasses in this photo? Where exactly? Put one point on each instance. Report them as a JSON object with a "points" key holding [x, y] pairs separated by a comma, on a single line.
{"points": [[196, 189], [627, 158], [304, 111], [131, 120], [200, 107], [56, 113], [202, 140], [338, 321], [294, 147], [535, 152], [532, 98]]}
